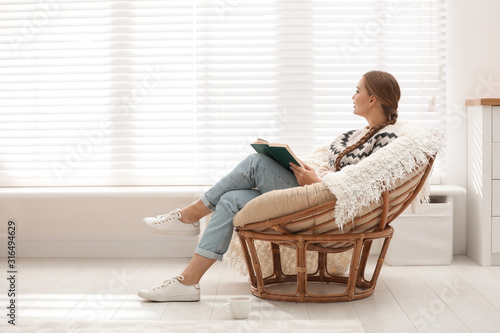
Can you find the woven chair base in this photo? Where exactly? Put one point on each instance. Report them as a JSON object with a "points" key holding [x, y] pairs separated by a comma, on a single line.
{"points": [[356, 285]]}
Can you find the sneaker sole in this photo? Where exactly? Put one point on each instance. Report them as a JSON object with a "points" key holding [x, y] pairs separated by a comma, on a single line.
{"points": [[172, 298], [195, 232]]}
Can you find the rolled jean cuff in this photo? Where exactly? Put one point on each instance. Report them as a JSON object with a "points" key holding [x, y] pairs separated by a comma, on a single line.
{"points": [[207, 203], [208, 254]]}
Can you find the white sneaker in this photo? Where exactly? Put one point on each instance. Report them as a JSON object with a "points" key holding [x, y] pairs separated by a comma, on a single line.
{"points": [[170, 224], [172, 291]]}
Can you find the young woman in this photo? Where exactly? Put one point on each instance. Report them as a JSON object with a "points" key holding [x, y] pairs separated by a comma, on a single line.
{"points": [[376, 99]]}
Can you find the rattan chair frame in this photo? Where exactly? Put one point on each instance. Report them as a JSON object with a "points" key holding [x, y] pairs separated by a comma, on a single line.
{"points": [[357, 285]]}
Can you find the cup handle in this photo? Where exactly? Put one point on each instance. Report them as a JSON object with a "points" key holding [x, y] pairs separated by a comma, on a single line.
{"points": [[227, 308]]}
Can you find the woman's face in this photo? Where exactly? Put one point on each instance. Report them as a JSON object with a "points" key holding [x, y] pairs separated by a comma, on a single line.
{"points": [[361, 99]]}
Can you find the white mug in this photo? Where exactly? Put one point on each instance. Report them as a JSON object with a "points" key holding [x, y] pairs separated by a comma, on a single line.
{"points": [[238, 306]]}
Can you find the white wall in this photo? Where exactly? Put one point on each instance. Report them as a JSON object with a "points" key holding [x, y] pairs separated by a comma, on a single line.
{"points": [[473, 70]]}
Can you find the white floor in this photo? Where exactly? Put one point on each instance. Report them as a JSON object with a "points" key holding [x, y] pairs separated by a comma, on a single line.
{"points": [[100, 295]]}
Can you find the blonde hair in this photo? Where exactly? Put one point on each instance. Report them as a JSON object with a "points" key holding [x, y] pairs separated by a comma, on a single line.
{"points": [[386, 90]]}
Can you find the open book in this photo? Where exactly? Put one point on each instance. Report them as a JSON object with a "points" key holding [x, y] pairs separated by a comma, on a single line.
{"points": [[279, 152]]}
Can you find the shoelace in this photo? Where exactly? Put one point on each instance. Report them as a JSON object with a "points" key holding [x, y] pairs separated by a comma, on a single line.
{"points": [[170, 216], [169, 282], [167, 217]]}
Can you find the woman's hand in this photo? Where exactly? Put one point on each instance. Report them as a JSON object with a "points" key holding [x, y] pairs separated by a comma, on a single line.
{"points": [[305, 175]]}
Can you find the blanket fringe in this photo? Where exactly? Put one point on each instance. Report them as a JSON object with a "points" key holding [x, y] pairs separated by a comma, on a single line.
{"points": [[337, 263]]}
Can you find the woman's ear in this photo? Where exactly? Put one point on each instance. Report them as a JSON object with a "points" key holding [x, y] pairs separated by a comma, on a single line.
{"points": [[373, 100]]}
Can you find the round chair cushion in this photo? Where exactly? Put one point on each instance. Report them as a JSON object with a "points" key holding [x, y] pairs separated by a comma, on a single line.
{"points": [[279, 203]]}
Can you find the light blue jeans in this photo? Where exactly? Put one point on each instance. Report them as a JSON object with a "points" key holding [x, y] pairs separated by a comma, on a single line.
{"points": [[255, 175]]}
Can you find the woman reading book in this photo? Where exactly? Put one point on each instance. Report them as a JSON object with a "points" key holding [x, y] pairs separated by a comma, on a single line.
{"points": [[376, 99]]}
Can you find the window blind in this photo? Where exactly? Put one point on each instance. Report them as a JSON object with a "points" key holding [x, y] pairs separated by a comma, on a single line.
{"points": [[137, 92]]}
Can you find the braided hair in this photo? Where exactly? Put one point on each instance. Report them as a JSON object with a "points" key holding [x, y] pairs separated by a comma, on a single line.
{"points": [[386, 90]]}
